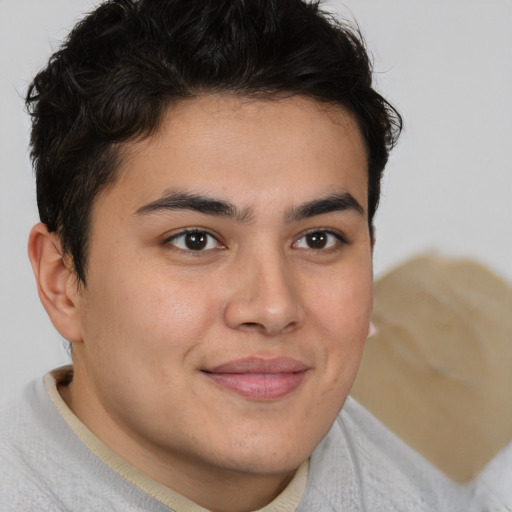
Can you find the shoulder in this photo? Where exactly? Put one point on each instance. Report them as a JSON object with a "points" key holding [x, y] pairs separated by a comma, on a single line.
{"points": [[492, 489], [45, 466], [362, 465], [388, 462], [21, 434], [19, 419]]}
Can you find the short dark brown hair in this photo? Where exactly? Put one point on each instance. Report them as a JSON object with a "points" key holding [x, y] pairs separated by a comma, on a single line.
{"points": [[126, 62]]}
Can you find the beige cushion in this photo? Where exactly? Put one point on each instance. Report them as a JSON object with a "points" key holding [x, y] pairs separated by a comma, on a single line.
{"points": [[439, 370]]}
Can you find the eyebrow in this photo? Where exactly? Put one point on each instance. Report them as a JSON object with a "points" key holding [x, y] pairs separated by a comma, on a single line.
{"points": [[197, 203], [209, 206], [334, 203]]}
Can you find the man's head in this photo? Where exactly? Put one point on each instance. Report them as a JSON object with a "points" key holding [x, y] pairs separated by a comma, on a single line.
{"points": [[214, 180], [124, 65]]}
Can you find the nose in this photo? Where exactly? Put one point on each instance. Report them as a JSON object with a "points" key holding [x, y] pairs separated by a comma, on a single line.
{"points": [[264, 297]]}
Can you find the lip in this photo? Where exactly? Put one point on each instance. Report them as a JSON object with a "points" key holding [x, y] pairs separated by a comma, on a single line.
{"points": [[259, 378]]}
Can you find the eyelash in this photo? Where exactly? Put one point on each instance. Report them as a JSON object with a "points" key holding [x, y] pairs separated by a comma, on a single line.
{"points": [[340, 240], [182, 234]]}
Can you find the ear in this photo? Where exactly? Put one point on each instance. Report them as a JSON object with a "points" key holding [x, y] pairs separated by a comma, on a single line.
{"points": [[56, 282]]}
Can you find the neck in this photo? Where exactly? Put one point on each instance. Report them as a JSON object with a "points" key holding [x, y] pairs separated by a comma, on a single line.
{"points": [[209, 486]]}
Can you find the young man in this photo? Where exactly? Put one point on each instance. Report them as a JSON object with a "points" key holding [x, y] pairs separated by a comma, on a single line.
{"points": [[207, 175]]}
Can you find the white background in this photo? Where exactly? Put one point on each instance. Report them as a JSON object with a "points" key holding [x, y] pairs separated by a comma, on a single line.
{"points": [[446, 64]]}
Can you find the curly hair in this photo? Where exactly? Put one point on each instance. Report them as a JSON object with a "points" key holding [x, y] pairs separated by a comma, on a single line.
{"points": [[125, 63]]}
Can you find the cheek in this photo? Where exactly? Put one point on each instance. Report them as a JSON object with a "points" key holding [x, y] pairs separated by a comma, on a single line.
{"points": [[343, 317], [145, 313], [343, 306]]}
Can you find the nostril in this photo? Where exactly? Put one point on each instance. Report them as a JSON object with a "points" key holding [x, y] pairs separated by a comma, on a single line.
{"points": [[252, 325]]}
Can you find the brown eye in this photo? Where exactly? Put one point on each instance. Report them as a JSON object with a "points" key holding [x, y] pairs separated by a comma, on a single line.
{"points": [[318, 240], [194, 241]]}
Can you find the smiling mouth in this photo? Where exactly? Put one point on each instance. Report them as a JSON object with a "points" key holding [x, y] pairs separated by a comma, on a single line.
{"points": [[259, 379]]}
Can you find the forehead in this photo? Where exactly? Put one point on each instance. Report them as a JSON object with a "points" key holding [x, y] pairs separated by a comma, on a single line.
{"points": [[228, 118], [239, 148]]}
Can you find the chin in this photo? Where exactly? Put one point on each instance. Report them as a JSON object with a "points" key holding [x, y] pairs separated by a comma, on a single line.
{"points": [[269, 457], [266, 466]]}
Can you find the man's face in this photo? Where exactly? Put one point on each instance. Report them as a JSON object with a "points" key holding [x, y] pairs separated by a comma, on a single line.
{"points": [[229, 286]]}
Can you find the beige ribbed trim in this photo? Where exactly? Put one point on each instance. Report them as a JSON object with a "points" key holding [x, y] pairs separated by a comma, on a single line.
{"points": [[287, 501]]}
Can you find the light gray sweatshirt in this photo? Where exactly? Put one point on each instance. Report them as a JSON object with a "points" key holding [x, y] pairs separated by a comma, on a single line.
{"points": [[50, 462]]}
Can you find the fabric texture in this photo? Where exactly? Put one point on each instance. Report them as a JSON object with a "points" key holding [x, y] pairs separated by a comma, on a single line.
{"points": [[493, 487], [359, 466]]}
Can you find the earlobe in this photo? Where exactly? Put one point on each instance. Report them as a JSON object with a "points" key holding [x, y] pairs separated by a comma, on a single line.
{"points": [[56, 282]]}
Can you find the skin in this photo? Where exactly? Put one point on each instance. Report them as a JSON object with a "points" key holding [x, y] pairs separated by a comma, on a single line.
{"points": [[156, 315]]}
